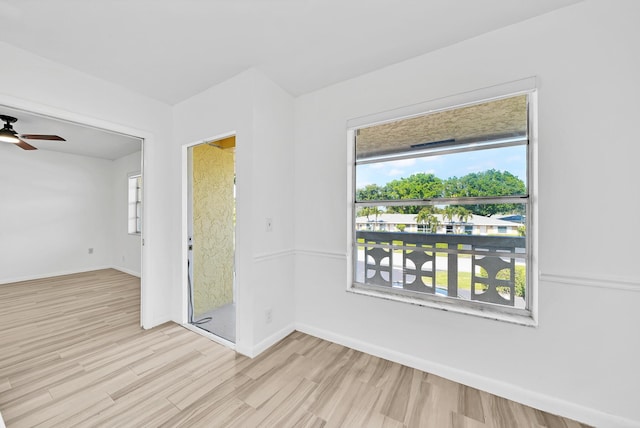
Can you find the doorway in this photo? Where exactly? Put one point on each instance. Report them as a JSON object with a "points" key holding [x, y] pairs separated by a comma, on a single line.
{"points": [[211, 217], [92, 162]]}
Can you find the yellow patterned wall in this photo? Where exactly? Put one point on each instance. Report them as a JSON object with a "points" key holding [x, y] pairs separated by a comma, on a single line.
{"points": [[213, 227]]}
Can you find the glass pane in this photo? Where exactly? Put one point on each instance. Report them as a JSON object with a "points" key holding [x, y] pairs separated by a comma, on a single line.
{"points": [[480, 219], [445, 250], [473, 252], [491, 172]]}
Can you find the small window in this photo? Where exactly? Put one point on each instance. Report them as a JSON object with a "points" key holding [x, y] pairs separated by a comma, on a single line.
{"points": [[135, 204], [447, 174]]}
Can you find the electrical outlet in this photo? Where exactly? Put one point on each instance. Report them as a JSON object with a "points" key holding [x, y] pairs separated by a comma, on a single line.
{"points": [[268, 225], [268, 316], [90, 250]]}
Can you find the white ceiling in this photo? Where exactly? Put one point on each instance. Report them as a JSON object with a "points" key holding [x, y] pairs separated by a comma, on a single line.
{"points": [[81, 140], [171, 50]]}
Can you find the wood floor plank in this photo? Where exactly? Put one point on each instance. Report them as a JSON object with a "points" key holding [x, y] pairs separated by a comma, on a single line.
{"points": [[72, 353], [48, 413], [16, 409], [395, 405], [74, 417], [203, 382], [470, 403], [281, 404]]}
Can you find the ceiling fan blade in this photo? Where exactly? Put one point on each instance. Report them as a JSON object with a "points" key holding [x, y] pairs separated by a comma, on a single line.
{"points": [[25, 146], [42, 137]]}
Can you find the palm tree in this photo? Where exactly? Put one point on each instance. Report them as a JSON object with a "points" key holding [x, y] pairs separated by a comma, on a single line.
{"points": [[376, 212], [461, 213], [367, 211], [427, 217], [450, 213], [464, 215]]}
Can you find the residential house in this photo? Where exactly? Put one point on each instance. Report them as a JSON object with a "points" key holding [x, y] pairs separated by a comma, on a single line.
{"points": [[474, 225]]}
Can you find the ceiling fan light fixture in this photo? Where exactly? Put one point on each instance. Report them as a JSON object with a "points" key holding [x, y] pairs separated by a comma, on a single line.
{"points": [[8, 136]]}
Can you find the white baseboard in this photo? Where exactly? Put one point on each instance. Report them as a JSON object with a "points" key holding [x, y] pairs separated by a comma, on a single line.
{"points": [[209, 335], [512, 392], [156, 322], [128, 271], [52, 274], [269, 341], [247, 351]]}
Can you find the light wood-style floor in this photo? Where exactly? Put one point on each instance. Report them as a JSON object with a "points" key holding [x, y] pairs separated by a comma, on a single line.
{"points": [[72, 354]]}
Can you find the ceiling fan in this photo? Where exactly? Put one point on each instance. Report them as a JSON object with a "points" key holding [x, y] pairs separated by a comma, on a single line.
{"points": [[9, 135]]}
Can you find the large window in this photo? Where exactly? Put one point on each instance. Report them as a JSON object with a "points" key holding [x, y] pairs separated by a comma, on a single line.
{"points": [[135, 204], [442, 207]]}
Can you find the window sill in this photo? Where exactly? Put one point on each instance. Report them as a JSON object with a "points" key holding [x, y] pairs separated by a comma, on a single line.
{"points": [[448, 304]]}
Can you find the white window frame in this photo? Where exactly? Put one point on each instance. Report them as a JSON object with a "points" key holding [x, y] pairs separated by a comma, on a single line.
{"points": [[529, 316], [134, 203]]}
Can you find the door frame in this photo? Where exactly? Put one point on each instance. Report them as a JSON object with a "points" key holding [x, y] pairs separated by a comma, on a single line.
{"points": [[146, 317], [185, 237]]}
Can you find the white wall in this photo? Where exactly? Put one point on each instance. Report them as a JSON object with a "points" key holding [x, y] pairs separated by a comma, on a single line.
{"points": [[582, 359], [35, 84], [126, 249], [55, 207], [273, 197], [261, 116]]}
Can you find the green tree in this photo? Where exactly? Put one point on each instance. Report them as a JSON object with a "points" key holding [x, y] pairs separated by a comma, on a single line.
{"points": [[363, 212], [416, 186], [522, 230], [427, 216], [456, 213], [487, 183], [427, 186], [370, 192], [370, 211]]}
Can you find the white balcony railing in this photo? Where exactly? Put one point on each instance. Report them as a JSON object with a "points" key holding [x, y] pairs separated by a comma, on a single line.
{"points": [[490, 269]]}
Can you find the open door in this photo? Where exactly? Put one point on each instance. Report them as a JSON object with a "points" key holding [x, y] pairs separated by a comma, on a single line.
{"points": [[211, 228]]}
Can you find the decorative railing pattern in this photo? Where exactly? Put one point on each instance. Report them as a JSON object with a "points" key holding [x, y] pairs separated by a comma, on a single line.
{"points": [[490, 259]]}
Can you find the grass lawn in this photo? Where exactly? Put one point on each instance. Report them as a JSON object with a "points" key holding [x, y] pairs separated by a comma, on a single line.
{"points": [[438, 245], [464, 279]]}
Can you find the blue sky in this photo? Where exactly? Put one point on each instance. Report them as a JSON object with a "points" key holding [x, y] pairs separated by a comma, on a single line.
{"points": [[512, 159]]}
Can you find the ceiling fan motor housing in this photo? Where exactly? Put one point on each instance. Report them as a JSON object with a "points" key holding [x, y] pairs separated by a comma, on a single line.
{"points": [[9, 135]]}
